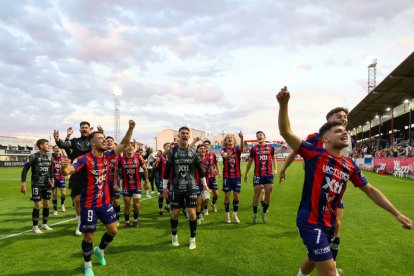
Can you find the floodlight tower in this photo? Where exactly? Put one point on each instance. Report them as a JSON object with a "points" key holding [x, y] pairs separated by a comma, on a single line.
{"points": [[116, 93], [372, 74]]}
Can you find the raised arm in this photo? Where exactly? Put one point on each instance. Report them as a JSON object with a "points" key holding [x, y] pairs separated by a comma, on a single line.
{"points": [[381, 200], [124, 143], [241, 141], [284, 122]]}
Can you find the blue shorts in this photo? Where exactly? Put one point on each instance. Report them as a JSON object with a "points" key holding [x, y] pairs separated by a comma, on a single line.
{"points": [[317, 241], [132, 193], [112, 192], [59, 184], [212, 183], [260, 180], [232, 184], [90, 216]]}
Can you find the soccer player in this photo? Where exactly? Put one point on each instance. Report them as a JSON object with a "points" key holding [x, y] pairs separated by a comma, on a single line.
{"points": [[42, 182], [338, 114], [265, 168], [128, 167], [231, 173], [182, 162], [160, 166], [95, 197], [113, 189], [59, 180], [202, 198], [212, 182], [327, 172], [74, 148]]}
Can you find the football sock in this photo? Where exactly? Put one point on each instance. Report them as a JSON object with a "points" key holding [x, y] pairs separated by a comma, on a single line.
{"points": [[174, 226], [106, 239], [54, 202], [35, 216], [45, 214], [255, 209], [87, 250], [227, 207], [265, 206], [235, 206], [193, 228]]}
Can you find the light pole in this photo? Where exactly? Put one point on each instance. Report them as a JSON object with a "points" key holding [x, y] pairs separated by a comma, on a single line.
{"points": [[116, 93], [409, 119]]}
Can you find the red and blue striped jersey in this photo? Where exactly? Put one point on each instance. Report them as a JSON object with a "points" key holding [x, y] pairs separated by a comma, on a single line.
{"points": [[95, 191], [213, 160], [112, 164], [206, 165], [231, 166], [129, 168], [262, 156], [315, 139], [56, 167], [326, 178]]}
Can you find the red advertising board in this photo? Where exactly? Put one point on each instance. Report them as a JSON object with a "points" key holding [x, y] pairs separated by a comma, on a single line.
{"points": [[402, 167]]}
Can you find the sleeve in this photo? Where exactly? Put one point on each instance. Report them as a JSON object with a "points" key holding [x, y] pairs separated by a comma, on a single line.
{"points": [[252, 152], [27, 166], [238, 150], [64, 144], [168, 165], [223, 150], [272, 151], [308, 151], [356, 177], [79, 163], [51, 171]]}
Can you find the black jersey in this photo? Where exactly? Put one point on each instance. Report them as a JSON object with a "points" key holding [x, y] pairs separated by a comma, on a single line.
{"points": [[183, 163], [75, 148], [42, 173]]}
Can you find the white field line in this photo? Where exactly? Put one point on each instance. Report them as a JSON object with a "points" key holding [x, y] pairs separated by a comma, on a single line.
{"points": [[57, 223]]}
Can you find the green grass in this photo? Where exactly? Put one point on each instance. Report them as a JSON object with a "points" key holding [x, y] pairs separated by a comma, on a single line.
{"points": [[373, 242]]}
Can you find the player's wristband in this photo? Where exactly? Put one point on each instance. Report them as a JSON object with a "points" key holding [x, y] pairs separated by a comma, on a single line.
{"points": [[203, 181], [165, 183]]}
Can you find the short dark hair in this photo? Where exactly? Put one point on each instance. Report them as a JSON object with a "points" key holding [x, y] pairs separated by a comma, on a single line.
{"points": [[84, 123], [207, 142], [91, 135], [183, 127], [327, 126], [261, 133], [41, 142], [168, 143], [199, 146], [336, 110], [110, 137]]}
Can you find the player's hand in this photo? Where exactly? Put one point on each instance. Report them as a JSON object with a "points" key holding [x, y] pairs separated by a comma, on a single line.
{"points": [[405, 221], [69, 132], [131, 124], [283, 96], [274, 172], [23, 188], [205, 188], [166, 193], [56, 134], [197, 139], [100, 129], [241, 134], [282, 176], [65, 162]]}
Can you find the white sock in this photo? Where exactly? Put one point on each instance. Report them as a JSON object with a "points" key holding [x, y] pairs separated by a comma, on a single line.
{"points": [[300, 273], [89, 264]]}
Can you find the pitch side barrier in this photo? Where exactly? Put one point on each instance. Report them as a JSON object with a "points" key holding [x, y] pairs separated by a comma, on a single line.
{"points": [[10, 164], [396, 166]]}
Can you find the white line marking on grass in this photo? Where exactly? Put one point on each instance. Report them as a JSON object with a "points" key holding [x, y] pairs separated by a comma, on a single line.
{"points": [[57, 223]]}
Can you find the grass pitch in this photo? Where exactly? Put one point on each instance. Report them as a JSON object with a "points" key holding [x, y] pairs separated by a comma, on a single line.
{"points": [[372, 241]]}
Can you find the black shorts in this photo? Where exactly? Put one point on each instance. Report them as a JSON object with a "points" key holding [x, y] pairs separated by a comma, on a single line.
{"points": [[75, 186], [188, 200], [39, 193]]}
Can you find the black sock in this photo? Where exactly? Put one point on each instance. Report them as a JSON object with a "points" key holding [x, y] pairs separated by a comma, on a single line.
{"points": [[174, 226], [335, 247], [135, 216], [160, 200], [198, 214], [126, 217], [35, 216], [62, 200], [54, 202], [265, 206], [262, 202], [235, 206], [255, 209], [106, 239], [167, 201], [206, 206], [214, 200], [117, 209], [193, 228], [87, 250], [227, 207], [45, 214]]}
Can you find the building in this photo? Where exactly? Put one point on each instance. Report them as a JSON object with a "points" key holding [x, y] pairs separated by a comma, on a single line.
{"points": [[14, 151], [171, 135]]}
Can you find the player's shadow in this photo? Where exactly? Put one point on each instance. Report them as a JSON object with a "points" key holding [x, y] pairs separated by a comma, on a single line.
{"points": [[286, 234]]}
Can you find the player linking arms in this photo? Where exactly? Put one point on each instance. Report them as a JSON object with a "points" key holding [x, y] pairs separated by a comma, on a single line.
{"points": [[95, 199], [327, 172]]}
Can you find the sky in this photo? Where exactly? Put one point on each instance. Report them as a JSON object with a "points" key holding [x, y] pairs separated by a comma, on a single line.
{"points": [[211, 65]]}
